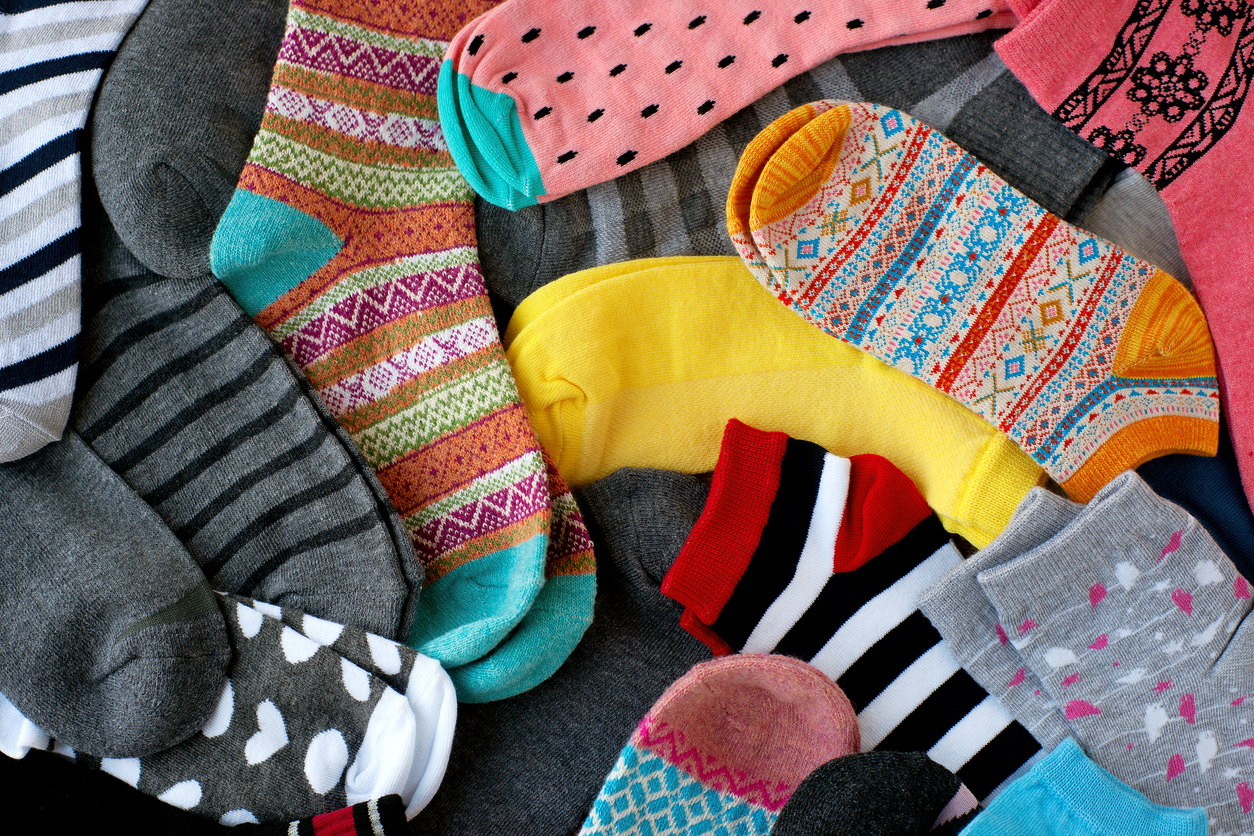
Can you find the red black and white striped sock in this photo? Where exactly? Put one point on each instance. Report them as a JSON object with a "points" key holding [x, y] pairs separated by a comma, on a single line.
{"points": [[803, 553]]}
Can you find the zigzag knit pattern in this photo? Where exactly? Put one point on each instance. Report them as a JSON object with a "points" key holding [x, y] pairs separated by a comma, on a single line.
{"points": [[370, 281], [888, 236]]}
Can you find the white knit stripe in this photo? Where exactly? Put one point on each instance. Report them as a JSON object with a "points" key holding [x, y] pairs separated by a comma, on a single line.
{"points": [[35, 36], [32, 293], [50, 228], [36, 135], [43, 391], [905, 693], [72, 84], [69, 12], [877, 617], [25, 56], [33, 342], [66, 171], [971, 734], [815, 564]]}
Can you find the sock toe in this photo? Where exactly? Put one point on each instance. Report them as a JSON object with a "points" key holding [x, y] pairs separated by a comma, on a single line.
{"points": [[433, 700], [263, 248], [386, 755], [163, 218]]}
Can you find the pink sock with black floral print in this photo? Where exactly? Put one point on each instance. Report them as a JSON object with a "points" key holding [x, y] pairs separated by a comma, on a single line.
{"points": [[1160, 86]]}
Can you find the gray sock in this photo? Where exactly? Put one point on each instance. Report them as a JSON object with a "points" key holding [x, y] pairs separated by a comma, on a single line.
{"points": [[112, 639], [1133, 215], [1136, 623], [174, 121], [500, 780], [198, 411], [296, 731], [676, 206], [958, 610]]}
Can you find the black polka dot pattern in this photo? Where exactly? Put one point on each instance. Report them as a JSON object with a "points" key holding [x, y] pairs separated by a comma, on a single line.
{"points": [[542, 112], [706, 108], [672, 66], [856, 23], [726, 62], [935, 4], [508, 77], [596, 114], [626, 157], [642, 28], [649, 111], [565, 77], [586, 32], [567, 157], [475, 43], [531, 36], [617, 70], [696, 21], [752, 16], [779, 60], [984, 14], [801, 18]]}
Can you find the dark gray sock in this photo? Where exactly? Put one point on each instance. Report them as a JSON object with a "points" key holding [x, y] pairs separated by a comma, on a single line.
{"points": [[197, 410], [112, 640], [500, 778], [875, 793], [174, 120], [676, 206]]}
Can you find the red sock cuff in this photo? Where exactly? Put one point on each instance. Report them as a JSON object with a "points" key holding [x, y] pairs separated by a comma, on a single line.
{"points": [[717, 552], [882, 507]]}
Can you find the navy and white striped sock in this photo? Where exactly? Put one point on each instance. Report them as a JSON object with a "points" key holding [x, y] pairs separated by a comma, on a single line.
{"points": [[854, 615], [52, 56]]}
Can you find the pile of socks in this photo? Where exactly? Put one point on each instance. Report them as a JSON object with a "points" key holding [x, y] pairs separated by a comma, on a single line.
{"points": [[845, 404]]}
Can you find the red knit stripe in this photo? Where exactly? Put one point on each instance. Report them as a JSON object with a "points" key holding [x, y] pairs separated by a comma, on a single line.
{"points": [[336, 823], [718, 550], [883, 506]]}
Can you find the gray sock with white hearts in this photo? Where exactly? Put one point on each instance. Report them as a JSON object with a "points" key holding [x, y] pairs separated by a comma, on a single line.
{"points": [[298, 730], [958, 610], [1136, 624]]}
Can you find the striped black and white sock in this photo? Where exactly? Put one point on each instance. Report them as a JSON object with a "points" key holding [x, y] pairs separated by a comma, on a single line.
{"points": [[52, 55], [802, 553]]}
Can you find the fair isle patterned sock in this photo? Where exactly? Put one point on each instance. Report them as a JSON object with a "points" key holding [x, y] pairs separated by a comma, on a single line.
{"points": [[298, 730], [957, 608], [1138, 626], [886, 235], [351, 240], [52, 55], [745, 576], [723, 750], [537, 101]]}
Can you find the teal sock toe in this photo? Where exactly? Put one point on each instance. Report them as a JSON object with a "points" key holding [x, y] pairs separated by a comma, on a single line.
{"points": [[263, 248], [537, 647], [470, 610], [485, 138]]}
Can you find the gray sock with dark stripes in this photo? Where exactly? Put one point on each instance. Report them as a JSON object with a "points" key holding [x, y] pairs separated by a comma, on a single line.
{"points": [[779, 563], [675, 206], [957, 608], [196, 409], [112, 640]]}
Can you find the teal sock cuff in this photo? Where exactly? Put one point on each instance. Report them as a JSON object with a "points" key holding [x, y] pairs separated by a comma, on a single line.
{"points": [[485, 138], [539, 645]]}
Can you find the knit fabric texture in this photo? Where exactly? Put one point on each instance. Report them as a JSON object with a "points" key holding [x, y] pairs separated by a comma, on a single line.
{"points": [[781, 563], [350, 239], [884, 234]]}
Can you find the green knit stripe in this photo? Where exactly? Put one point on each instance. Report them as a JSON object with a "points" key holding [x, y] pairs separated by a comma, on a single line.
{"points": [[443, 410], [504, 476], [412, 45], [365, 187], [354, 283]]}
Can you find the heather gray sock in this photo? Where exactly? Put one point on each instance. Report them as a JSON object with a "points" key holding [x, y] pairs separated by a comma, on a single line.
{"points": [[1136, 623], [958, 610], [877, 794], [197, 410], [297, 730], [112, 639], [1131, 213], [174, 121], [500, 778], [676, 206]]}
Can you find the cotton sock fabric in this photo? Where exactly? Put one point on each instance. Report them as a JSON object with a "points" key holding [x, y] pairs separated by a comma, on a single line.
{"points": [[1067, 793], [175, 118], [1157, 87], [298, 730], [884, 234], [1136, 623], [642, 364], [1131, 215], [113, 641], [196, 409], [64, 797], [638, 519], [350, 239], [522, 86], [726, 745], [675, 206], [745, 579], [879, 794], [958, 610], [53, 56]]}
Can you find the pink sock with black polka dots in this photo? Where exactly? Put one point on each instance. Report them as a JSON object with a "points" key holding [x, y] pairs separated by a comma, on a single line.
{"points": [[537, 101]]}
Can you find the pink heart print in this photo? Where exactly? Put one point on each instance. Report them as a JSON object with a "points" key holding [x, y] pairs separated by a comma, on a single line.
{"points": [[1096, 593], [1175, 765], [1183, 600], [1081, 708]]}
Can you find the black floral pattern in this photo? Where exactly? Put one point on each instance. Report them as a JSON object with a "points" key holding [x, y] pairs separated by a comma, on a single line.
{"points": [[1168, 87], [1215, 14], [1121, 145]]}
